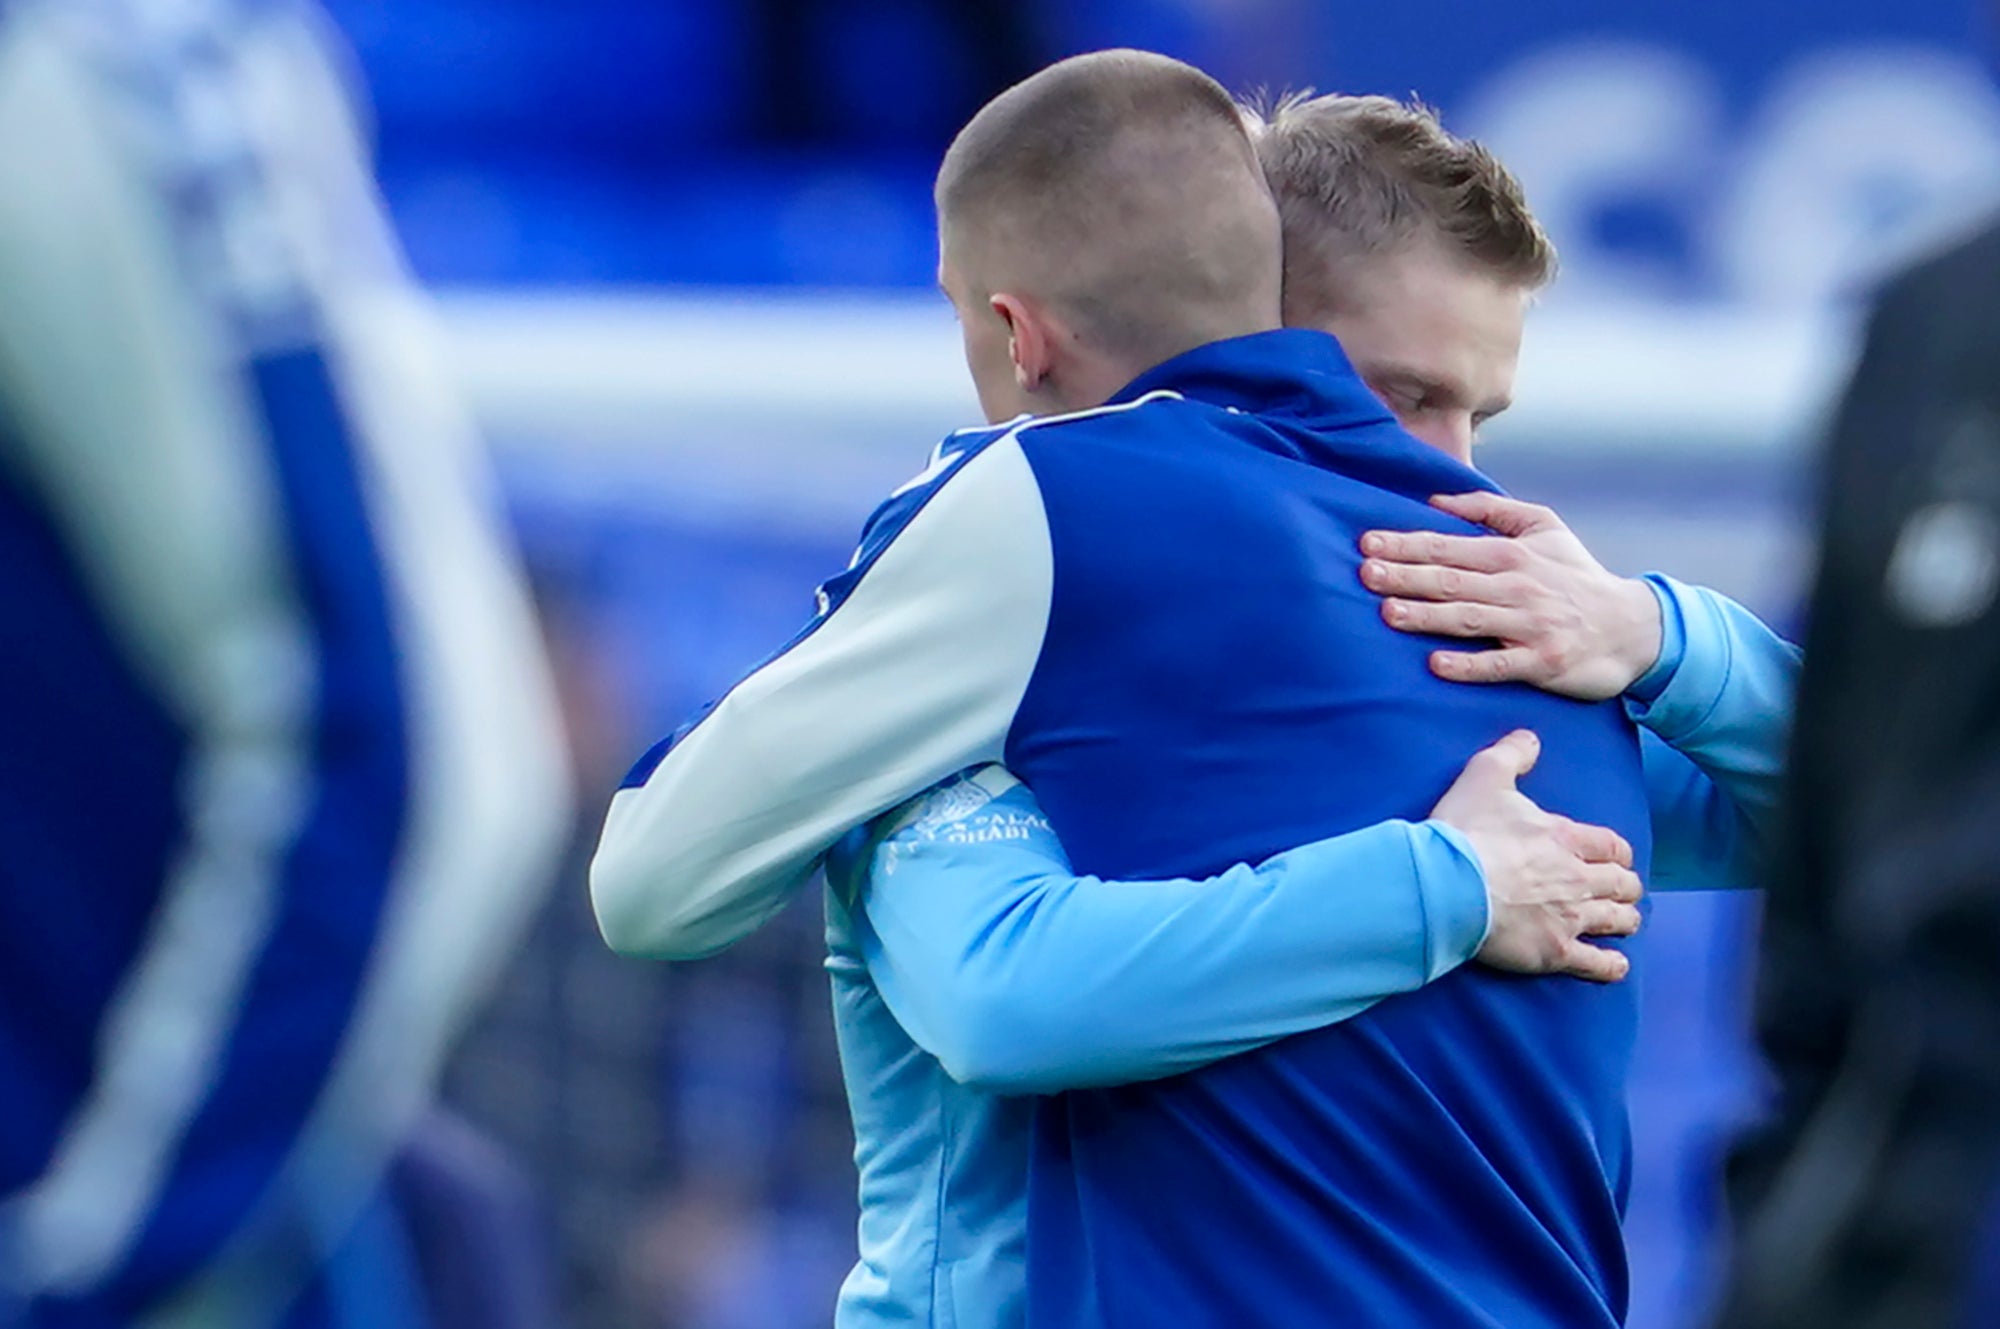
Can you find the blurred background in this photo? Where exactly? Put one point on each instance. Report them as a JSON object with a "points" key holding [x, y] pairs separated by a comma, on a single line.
{"points": [[685, 254]]}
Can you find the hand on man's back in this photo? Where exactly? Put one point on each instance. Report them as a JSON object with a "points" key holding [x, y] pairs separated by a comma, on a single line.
{"points": [[1563, 623], [1551, 883]]}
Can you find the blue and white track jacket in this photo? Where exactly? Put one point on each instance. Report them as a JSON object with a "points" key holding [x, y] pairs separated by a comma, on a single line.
{"points": [[281, 777], [1151, 613], [971, 965]]}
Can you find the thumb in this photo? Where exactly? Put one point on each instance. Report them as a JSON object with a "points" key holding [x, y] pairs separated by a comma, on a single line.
{"points": [[1496, 512], [1513, 756]]}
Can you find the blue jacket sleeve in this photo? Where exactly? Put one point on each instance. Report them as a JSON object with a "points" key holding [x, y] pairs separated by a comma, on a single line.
{"points": [[1716, 710], [1021, 976]]}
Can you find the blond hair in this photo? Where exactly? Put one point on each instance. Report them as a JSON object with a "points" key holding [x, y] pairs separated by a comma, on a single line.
{"points": [[1361, 176]]}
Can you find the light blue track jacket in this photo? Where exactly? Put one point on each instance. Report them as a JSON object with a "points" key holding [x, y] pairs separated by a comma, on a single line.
{"points": [[972, 966]]}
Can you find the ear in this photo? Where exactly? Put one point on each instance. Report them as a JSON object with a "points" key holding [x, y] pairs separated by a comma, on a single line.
{"points": [[1030, 341]]}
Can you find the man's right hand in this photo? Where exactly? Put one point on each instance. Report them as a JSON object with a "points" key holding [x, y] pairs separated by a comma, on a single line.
{"points": [[1550, 882]]}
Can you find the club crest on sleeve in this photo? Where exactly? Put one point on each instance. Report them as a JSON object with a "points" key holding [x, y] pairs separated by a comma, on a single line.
{"points": [[949, 803], [964, 810]]}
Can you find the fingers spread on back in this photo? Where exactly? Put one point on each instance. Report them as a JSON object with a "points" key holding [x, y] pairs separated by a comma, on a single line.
{"points": [[1596, 963], [1607, 918], [1595, 844], [1456, 620], [1512, 664], [1471, 553], [1612, 881], [1425, 582]]}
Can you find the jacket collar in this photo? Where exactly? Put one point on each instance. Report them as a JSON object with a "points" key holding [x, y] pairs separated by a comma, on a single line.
{"points": [[1289, 371], [1301, 384]]}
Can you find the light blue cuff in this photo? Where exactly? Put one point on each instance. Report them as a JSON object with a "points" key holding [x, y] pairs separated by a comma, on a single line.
{"points": [[1647, 688], [1452, 886], [1694, 686]]}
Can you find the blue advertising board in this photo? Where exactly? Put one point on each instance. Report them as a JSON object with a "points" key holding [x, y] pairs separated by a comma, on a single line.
{"points": [[1765, 150]]}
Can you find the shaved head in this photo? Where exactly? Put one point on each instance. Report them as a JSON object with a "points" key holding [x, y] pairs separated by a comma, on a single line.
{"points": [[1120, 192]]}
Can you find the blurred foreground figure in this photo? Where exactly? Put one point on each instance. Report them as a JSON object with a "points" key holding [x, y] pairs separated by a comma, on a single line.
{"points": [[280, 775], [1870, 1202]]}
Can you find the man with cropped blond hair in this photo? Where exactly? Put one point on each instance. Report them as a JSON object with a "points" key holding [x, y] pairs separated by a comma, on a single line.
{"points": [[1417, 249], [1384, 210], [1207, 686]]}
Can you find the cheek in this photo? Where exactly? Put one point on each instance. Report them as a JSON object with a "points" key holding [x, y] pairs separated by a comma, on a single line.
{"points": [[978, 350], [1420, 425], [986, 345], [992, 373]]}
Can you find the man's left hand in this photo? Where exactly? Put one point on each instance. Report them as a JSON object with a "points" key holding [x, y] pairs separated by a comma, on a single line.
{"points": [[1563, 623]]}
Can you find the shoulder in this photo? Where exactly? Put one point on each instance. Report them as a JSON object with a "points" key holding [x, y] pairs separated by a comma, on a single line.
{"points": [[974, 505], [949, 475], [1158, 410], [1975, 250], [1960, 272], [950, 466], [977, 498], [961, 446]]}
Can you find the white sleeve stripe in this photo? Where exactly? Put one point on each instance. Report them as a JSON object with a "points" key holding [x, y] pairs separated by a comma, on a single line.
{"points": [[939, 464], [914, 675]]}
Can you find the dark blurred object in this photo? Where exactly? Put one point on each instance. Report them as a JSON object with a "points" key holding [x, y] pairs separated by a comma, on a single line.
{"points": [[1869, 1202], [475, 1230]]}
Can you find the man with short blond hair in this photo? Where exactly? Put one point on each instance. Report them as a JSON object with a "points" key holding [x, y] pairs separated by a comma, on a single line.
{"points": [[1385, 209], [1357, 177], [1416, 248]]}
